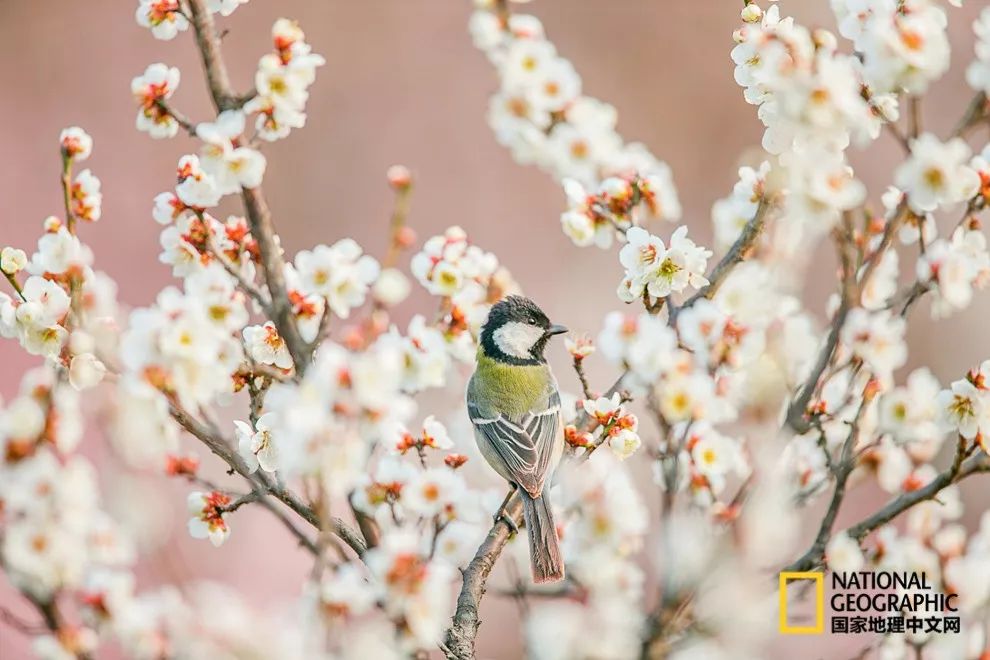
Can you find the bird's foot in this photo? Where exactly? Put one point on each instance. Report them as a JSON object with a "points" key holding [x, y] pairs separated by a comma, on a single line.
{"points": [[507, 519]]}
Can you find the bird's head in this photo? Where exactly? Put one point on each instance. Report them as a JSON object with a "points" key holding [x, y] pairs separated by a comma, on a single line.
{"points": [[517, 331]]}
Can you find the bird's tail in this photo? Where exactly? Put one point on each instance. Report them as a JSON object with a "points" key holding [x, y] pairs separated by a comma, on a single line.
{"points": [[544, 549]]}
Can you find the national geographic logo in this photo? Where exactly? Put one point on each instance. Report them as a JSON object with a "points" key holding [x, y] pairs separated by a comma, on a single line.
{"points": [[872, 602]]}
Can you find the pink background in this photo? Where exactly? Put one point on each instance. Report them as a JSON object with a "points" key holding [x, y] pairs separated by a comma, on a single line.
{"points": [[402, 84]]}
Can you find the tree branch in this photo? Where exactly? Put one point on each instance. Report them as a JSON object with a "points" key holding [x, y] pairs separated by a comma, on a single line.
{"points": [[736, 254], [796, 417], [269, 487], [459, 640], [959, 470], [257, 211]]}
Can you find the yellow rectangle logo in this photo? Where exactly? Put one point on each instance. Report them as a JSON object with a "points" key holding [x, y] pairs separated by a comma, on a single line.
{"points": [[819, 579]]}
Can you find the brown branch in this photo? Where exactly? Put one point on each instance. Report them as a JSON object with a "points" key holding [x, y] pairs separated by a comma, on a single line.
{"points": [[959, 471], [304, 540], [12, 278], [187, 124], [222, 448], [976, 112], [459, 640], [256, 208], [737, 254], [841, 470], [797, 412], [796, 417], [208, 42], [70, 217], [914, 116], [896, 133], [52, 618], [579, 370]]}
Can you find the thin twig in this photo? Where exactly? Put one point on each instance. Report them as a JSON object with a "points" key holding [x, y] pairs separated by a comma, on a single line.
{"points": [[187, 124], [579, 369], [14, 283], [70, 217], [976, 112], [896, 133], [914, 116], [19, 624]]}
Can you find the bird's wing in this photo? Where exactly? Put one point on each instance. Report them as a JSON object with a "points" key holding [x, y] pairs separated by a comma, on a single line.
{"points": [[524, 446]]}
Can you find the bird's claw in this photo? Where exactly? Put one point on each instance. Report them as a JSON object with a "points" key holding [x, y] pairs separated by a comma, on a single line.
{"points": [[507, 519]]}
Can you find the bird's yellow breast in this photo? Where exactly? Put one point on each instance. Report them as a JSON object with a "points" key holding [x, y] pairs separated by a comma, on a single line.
{"points": [[511, 389]]}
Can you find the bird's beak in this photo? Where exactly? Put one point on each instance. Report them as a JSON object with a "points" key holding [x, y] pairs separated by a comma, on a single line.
{"points": [[555, 330]]}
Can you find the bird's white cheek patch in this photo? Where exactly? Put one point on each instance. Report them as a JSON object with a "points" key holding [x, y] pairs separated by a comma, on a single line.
{"points": [[516, 339]]}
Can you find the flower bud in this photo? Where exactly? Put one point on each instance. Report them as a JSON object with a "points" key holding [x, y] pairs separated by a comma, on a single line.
{"points": [[454, 461], [752, 13], [52, 224], [399, 177], [76, 143], [12, 260], [286, 32], [405, 237]]}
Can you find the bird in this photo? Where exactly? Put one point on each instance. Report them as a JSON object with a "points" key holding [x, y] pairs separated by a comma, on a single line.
{"points": [[514, 404]]}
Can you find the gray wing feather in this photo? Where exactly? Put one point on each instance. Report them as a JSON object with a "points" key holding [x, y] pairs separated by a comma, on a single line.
{"points": [[524, 446]]}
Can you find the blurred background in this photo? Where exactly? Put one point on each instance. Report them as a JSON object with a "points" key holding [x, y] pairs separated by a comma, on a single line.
{"points": [[402, 84]]}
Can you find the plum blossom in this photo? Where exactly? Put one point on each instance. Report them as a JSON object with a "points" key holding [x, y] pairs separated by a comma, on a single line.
{"points": [[964, 408], [209, 520], [12, 260], [232, 166], [904, 48], [435, 492], [433, 435], [38, 318], [282, 81], [843, 554], [340, 273], [391, 287], [150, 89], [76, 143], [936, 174], [953, 269], [909, 412], [659, 270], [978, 72], [541, 116], [412, 587], [877, 338], [86, 371], [163, 17], [256, 445], [265, 346], [87, 200], [196, 188]]}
